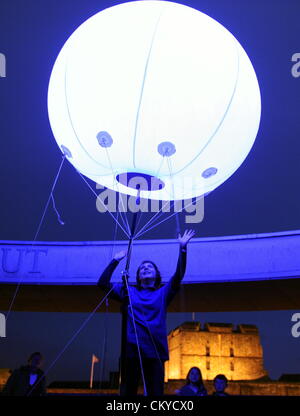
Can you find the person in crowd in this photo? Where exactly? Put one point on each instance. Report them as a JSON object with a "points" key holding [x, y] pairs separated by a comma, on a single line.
{"points": [[220, 385], [194, 384], [28, 380]]}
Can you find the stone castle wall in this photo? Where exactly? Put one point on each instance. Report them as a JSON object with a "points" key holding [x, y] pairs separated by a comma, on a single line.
{"points": [[215, 349]]}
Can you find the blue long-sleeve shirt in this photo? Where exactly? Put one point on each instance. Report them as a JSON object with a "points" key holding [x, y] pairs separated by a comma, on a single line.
{"points": [[149, 309]]}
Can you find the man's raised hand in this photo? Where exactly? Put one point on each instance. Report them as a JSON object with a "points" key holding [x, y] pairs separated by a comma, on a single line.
{"points": [[188, 234], [120, 255]]}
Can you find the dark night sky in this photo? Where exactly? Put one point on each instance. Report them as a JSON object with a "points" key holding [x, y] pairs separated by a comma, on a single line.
{"points": [[262, 196]]}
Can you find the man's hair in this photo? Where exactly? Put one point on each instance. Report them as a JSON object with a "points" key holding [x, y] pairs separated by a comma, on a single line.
{"points": [[157, 277], [34, 354], [221, 377]]}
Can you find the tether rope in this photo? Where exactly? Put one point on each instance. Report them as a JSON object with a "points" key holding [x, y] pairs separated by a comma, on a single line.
{"points": [[71, 340], [37, 232]]}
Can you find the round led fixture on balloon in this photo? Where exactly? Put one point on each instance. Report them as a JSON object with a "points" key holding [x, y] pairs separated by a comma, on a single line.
{"points": [[66, 151], [149, 70], [209, 172], [104, 139], [166, 149]]}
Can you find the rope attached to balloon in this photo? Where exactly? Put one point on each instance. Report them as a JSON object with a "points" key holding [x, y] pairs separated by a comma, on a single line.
{"points": [[132, 237], [125, 282], [125, 276], [123, 208], [71, 340], [95, 193], [38, 231]]}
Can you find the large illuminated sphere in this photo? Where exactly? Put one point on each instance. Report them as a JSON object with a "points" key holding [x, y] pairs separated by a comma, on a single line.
{"points": [[154, 88]]}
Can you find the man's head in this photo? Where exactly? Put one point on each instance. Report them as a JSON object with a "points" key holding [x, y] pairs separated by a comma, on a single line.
{"points": [[35, 360], [148, 275], [220, 383]]}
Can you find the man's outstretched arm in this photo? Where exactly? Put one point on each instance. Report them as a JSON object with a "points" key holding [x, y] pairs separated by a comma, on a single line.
{"points": [[104, 280], [174, 283]]}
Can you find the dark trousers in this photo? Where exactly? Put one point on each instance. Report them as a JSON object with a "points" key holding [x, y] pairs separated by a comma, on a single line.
{"points": [[153, 373]]}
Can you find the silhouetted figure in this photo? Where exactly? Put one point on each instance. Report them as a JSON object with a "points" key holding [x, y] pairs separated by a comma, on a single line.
{"points": [[148, 302], [220, 384], [28, 380], [194, 384]]}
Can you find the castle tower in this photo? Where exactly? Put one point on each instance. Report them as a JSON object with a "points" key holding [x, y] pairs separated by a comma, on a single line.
{"points": [[216, 348]]}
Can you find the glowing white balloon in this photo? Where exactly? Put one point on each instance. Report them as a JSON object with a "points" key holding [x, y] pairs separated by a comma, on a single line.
{"points": [[156, 88]]}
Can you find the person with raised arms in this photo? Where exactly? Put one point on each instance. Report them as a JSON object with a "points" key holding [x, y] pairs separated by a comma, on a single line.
{"points": [[147, 304]]}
